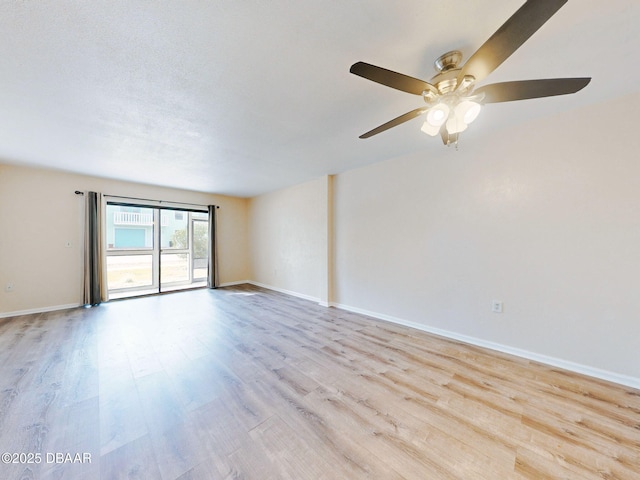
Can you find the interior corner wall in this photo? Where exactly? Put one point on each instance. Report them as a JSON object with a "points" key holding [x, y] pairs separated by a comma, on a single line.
{"points": [[288, 240], [544, 217], [39, 214]]}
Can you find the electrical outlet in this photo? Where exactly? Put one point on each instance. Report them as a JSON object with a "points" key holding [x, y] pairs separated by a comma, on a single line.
{"points": [[9, 287], [496, 306]]}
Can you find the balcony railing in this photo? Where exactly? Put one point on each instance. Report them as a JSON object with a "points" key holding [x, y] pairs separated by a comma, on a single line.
{"points": [[135, 218]]}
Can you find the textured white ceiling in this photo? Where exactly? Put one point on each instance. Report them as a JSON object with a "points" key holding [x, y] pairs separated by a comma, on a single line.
{"points": [[245, 97]]}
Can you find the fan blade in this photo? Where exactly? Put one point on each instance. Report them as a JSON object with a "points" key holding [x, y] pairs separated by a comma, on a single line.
{"points": [[395, 122], [509, 37], [510, 91], [391, 79]]}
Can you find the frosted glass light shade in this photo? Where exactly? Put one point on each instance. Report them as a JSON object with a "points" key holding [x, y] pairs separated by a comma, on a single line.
{"points": [[457, 117], [430, 129], [438, 114], [467, 111]]}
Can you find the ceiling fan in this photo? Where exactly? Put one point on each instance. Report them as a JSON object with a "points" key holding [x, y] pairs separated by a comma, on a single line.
{"points": [[452, 101]]}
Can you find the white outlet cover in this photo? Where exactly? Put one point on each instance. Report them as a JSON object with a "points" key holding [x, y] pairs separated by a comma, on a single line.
{"points": [[496, 306]]}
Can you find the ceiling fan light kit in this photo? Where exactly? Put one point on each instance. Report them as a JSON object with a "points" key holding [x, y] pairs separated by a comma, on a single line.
{"points": [[452, 100]]}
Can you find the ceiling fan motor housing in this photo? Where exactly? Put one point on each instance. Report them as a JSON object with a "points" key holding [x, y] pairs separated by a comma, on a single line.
{"points": [[446, 80], [448, 61]]}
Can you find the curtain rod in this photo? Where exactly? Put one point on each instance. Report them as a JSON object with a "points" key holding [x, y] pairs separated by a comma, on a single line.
{"points": [[78, 192]]}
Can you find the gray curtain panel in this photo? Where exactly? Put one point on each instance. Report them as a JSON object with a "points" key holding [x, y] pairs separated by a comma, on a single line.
{"points": [[95, 275], [213, 278]]}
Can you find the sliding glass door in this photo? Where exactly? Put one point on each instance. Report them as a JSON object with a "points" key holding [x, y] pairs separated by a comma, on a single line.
{"points": [[153, 250]]}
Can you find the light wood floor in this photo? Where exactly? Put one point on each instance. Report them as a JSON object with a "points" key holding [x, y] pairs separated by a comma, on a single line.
{"points": [[243, 383]]}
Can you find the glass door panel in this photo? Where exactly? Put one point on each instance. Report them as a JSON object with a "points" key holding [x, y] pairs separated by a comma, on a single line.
{"points": [[174, 257], [132, 268]]}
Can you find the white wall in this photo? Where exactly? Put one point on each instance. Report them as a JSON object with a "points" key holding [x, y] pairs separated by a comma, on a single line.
{"points": [[545, 217], [39, 213], [289, 238]]}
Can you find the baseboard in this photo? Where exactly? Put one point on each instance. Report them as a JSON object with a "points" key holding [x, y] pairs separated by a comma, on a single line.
{"points": [[287, 292], [38, 310], [231, 284], [614, 377]]}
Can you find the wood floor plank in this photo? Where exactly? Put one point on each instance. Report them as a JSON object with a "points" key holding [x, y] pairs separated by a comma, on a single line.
{"points": [[121, 418], [246, 383], [384, 435], [347, 456], [135, 460], [290, 451]]}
